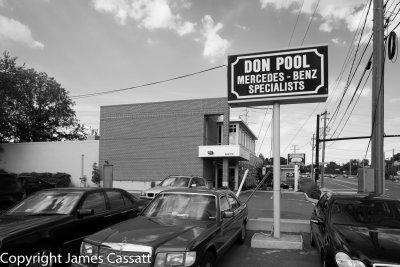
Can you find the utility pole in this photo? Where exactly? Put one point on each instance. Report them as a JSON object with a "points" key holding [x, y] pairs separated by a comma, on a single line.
{"points": [[317, 150], [312, 158], [377, 157], [323, 151], [350, 168], [294, 149]]}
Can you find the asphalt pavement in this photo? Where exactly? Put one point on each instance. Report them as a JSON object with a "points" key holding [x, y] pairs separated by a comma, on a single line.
{"points": [[244, 255], [293, 206]]}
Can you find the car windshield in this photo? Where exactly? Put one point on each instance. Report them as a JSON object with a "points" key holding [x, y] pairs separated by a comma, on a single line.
{"points": [[176, 182], [366, 212], [183, 206], [46, 203]]}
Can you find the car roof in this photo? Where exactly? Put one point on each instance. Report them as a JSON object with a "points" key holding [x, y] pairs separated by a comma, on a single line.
{"points": [[216, 192], [78, 189], [185, 176], [358, 196]]}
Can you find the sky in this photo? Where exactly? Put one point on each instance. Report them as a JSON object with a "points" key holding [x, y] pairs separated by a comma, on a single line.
{"points": [[92, 46]]}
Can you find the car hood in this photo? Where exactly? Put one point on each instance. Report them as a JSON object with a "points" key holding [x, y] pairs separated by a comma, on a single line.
{"points": [[11, 224], [373, 244], [158, 189], [155, 232]]}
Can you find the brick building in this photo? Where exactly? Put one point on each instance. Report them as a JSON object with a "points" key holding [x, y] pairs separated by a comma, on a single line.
{"points": [[141, 143]]}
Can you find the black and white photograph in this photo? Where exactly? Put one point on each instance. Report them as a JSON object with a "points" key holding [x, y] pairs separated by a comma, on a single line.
{"points": [[212, 133]]}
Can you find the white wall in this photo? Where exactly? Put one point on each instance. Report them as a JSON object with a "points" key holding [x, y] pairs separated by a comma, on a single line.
{"points": [[51, 157]]}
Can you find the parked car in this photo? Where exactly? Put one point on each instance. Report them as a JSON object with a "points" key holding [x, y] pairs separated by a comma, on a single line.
{"points": [[332, 175], [176, 181], [356, 230], [11, 190], [57, 220], [178, 228]]}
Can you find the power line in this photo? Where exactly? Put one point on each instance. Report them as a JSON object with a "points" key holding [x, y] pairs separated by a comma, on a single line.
{"points": [[301, 127], [312, 17], [147, 84], [297, 20], [347, 59]]}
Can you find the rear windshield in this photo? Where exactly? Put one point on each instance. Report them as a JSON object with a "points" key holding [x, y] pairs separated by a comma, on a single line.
{"points": [[366, 212], [176, 181]]}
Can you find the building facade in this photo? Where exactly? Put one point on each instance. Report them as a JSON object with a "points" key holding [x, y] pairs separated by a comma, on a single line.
{"points": [[146, 142]]}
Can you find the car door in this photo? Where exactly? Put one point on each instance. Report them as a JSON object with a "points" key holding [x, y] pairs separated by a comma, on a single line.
{"points": [[87, 224], [120, 208], [238, 214], [226, 232], [318, 221]]}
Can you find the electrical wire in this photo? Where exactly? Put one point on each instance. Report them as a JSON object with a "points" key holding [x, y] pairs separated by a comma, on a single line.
{"points": [[145, 85], [312, 17], [297, 20]]}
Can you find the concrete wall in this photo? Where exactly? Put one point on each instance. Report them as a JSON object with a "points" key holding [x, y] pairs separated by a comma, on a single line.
{"points": [[51, 157]]}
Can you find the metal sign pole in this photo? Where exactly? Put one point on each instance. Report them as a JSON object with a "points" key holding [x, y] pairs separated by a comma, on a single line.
{"points": [[277, 170]]}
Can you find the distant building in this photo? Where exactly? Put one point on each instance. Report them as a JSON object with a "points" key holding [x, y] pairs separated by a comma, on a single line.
{"points": [[143, 143]]}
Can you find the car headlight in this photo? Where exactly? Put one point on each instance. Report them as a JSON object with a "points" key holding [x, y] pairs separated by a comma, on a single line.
{"points": [[344, 260], [175, 259], [88, 249], [142, 193]]}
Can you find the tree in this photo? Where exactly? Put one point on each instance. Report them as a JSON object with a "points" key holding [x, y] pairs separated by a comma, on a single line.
{"points": [[34, 106], [95, 174]]}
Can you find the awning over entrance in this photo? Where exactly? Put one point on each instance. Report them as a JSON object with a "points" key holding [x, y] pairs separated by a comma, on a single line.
{"points": [[228, 151]]}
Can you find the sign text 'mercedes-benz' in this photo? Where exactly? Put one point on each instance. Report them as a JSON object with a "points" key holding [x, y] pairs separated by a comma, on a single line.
{"points": [[287, 76]]}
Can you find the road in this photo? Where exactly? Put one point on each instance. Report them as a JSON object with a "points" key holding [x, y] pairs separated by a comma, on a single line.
{"points": [[392, 189], [293, 205]]}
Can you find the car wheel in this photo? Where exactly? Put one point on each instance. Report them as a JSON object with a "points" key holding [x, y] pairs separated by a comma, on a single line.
{"points": [[208, 260], [242, 234], [312, 241], [44, 250]]}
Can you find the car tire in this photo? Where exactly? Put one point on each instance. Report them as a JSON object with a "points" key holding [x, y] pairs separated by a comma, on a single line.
{"points": [[312, 240], [44, 250], [242, 234], [208, 261]]}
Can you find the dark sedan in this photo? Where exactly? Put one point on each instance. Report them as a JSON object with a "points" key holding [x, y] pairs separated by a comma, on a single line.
{"points": [[56, 220], [178, 228], [356, 230]]}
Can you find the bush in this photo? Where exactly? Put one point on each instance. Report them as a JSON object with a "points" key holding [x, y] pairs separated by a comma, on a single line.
{"points": [[309, 187], [37, 181]]}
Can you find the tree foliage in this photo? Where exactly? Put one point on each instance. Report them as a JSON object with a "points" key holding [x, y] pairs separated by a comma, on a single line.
{"points": [[34, 106]]}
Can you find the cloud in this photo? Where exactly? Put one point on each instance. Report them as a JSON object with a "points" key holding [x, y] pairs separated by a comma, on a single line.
{"points": [[214, 45], [149, 14], [15, 31], [332, 14], [338, 41]]}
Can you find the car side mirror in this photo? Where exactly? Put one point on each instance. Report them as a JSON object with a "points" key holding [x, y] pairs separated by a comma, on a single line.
{"points": [[193, 185], [227, 214], [85, 212], [317, 220]]}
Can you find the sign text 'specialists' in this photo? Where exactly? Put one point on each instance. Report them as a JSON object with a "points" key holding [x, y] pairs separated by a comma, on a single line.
{"points": [[288, 76]]}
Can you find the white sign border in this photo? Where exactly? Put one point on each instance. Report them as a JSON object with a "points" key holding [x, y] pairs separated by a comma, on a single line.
{"points": [[265, 97]]}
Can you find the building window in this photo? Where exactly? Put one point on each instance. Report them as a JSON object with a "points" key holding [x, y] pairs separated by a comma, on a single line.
{"points": [[232, 128]]}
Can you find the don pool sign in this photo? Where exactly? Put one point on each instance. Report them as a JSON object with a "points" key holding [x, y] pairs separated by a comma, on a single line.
{"points": [[288, 77]]}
